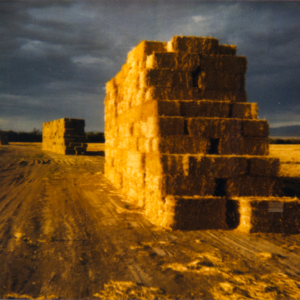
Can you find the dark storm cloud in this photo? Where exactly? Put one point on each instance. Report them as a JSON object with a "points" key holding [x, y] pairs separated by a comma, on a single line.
{"points": [[56, 56]]}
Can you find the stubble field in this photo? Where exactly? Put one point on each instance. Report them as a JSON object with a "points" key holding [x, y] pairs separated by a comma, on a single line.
{"points": [[65, 232]]}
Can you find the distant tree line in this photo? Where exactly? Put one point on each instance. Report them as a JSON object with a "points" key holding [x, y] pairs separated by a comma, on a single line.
{"points": [[284, 141], [36, 136], [95, 137]]}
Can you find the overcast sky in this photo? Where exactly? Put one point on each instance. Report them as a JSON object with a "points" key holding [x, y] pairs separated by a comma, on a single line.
{"points": [[56, 56]]}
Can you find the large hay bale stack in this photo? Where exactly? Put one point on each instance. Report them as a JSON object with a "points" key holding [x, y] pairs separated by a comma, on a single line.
{"points": [[181, 139], [64, 136]]}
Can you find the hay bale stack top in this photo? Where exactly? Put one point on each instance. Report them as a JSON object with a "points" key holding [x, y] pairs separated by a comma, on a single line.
{"points": [[64, 136], [181, 138]]}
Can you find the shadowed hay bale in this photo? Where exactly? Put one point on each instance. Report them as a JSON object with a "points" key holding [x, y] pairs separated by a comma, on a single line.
{"points": [[218, 166], [264, 166], [252, 186], [243, 146], [179, 185], [214, 80], [226, 49], [214, 128], [180, 145], [193, 45], [272, 214], [223, 95], [189, 185], [244, 110], [174, 61], [166, 78], [223, 63], [255, 128], [176, 93], [203, 108], [196, 213]]}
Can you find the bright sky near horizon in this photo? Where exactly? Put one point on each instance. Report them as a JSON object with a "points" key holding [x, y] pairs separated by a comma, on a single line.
{"points": [[56, 56]]}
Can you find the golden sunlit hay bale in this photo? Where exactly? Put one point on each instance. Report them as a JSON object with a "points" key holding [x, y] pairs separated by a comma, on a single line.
{"points": [[176, 93], [138, 55], [223, 63], [144, 145], [244, 110], [174, 61], [255, 128], [271, 214], [134, 188], [191, 44], [157, 163], [196, 213], [214, 128], [218, 166], [226, 49], [252, 186], [180, 145], [203, 108], [166, 78], [126, 129], [243, 146], [264, 166]]}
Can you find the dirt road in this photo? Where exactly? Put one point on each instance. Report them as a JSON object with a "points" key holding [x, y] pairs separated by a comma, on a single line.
{"points": [[65, 232]]}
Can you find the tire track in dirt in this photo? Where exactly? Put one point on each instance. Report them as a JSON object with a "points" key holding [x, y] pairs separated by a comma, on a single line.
{"points": [[65, 232]]}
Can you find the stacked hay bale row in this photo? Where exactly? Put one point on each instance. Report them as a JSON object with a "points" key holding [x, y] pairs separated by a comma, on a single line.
{"points": [[64, 136], [3, 138], [180, 136]]}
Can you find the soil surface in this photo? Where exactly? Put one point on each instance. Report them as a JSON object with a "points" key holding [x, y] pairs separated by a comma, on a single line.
{"points": [[65, 232]]}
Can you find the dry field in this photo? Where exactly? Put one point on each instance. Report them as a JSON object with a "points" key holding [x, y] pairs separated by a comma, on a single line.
{"points": [[65, 232]]}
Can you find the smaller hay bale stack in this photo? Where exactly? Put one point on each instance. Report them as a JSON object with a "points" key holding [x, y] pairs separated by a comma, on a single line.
{"points": [[64, 136], [3, 138]]}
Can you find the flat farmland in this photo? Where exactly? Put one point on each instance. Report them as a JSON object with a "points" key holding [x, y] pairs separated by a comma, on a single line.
{"points": [[66, 232]]}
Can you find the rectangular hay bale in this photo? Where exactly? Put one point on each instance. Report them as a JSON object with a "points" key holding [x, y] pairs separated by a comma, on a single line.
{"points": [[255, 128], [203, 108], [166, 78], [252, 186], [195, 213], [175, 93], [180, 145], [173, 60], [244, 110], [264, 166], [269, 214], [193, 44], [214, 128], [243, 146], [218, 166]]}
